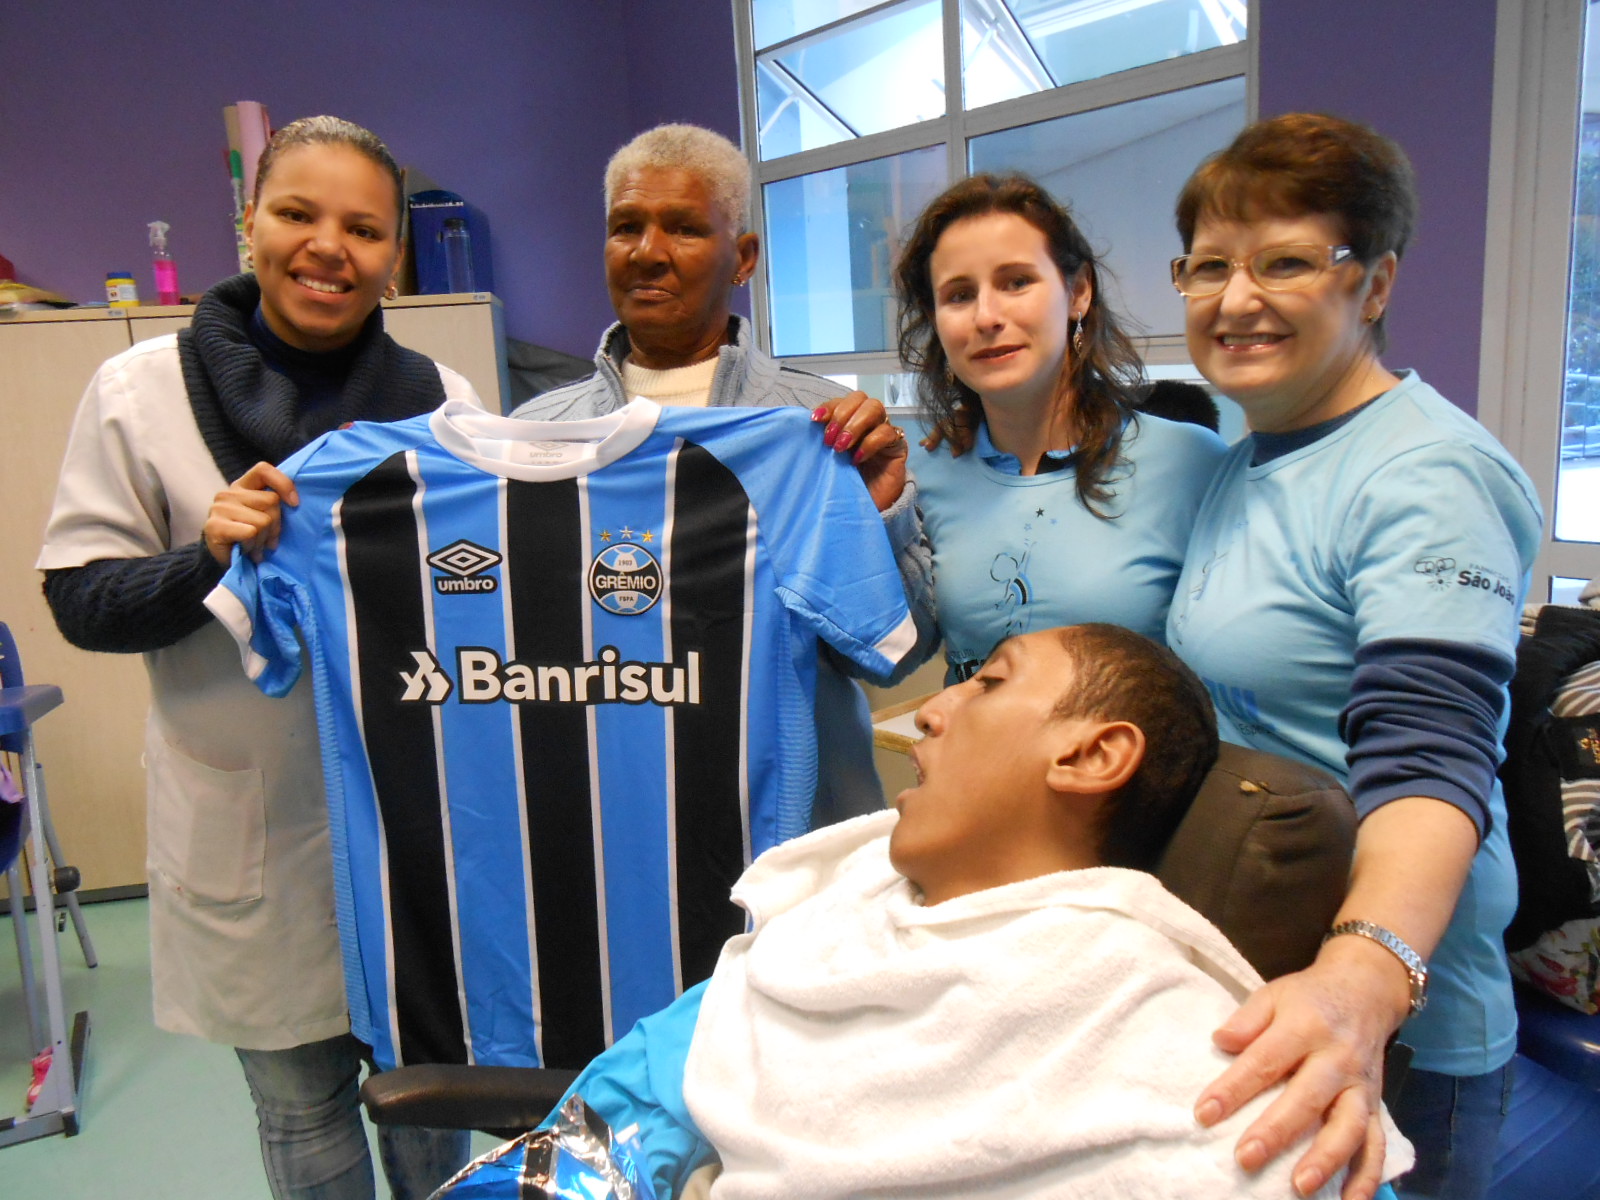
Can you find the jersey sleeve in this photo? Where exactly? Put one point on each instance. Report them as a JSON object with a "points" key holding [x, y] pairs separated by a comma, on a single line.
{"points": [[836, 570], [1437, 547], [1437, 544], [258, 607], [639, 1080], [263, 604]]}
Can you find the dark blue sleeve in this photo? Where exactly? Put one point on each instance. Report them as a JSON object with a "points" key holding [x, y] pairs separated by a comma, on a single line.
{"points": [[131, 605], [1424, 720]]}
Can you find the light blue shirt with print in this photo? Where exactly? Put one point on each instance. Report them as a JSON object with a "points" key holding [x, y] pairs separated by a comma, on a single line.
{"points": [[1014, 553], [1408, 522]]}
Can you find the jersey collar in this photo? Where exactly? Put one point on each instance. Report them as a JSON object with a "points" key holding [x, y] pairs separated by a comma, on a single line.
{"points": [[541, 451]]}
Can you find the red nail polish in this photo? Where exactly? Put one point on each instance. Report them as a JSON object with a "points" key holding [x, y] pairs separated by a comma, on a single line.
{"points": [[860, 455], [820, 413], [844, 440], [830, 433]]}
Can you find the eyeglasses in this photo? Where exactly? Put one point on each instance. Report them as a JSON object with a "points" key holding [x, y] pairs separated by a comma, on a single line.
{"points": [[1277, 268]]}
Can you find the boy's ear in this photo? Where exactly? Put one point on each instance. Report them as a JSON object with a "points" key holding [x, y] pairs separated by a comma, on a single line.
{"points": [[1096, 757]]}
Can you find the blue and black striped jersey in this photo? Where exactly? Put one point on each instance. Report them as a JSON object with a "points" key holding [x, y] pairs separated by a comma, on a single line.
{"points": [[564, 679]]}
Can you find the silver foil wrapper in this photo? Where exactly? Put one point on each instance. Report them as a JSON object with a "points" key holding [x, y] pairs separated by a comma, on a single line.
{"points": [[577, 1158]]}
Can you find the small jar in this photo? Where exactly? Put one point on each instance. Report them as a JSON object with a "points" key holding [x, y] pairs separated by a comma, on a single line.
{"points": [[121, 290]]}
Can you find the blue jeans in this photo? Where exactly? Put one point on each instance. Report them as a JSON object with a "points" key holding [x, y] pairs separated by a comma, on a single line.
{"points": [[313, 1143], [1454, 1123]]}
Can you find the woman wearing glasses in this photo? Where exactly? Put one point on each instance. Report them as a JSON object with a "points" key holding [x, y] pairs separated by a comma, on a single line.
{"points": [[1067, 507], [1351, 596]]}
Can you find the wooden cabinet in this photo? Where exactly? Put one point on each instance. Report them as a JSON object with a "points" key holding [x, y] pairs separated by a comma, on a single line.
{"points": [[91, 747], [464, 332]]}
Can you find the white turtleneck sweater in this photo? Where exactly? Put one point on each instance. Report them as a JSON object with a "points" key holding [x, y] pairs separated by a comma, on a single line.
{"points": [[689, 386]]}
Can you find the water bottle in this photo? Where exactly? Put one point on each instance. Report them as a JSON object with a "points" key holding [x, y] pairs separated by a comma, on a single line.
{"points": [[457, 256]]}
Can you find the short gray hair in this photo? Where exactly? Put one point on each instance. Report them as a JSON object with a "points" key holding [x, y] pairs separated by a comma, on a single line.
{"points": [[711, 157]]}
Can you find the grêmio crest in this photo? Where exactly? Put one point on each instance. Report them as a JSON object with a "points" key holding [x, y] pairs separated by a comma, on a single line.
{"points": [[625, 579]]}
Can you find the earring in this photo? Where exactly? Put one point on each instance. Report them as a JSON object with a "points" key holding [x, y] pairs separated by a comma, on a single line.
{"points": [[1077, 337], [1372, 318], [738, 280], [390, 292]]}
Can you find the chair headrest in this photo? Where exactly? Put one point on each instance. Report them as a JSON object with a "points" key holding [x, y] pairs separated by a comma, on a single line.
{"points": [[1264, 854]]}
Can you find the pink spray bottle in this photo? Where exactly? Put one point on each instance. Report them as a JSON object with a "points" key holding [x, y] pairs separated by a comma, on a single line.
{"points": [[166, 270]]}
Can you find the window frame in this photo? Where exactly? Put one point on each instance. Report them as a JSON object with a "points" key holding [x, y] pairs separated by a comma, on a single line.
{"points": [[1533, 140], [953, 131]]}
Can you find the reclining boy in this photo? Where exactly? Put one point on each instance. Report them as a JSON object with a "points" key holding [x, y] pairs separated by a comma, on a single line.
{"points": [[983, 992]]}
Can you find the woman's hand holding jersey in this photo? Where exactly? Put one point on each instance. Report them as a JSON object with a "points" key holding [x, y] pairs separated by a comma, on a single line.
{"points": [[858, 425], [249, 513]]}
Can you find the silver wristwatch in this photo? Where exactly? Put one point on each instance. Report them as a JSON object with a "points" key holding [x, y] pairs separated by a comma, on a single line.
{"points": [[1416, 969]]}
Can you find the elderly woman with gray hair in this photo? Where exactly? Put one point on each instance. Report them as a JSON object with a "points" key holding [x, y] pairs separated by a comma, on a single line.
{"points": [[676, 247]]}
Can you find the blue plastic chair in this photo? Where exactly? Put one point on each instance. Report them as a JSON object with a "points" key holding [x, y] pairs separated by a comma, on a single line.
{"points": [[26, 828], [1547, 1144]]}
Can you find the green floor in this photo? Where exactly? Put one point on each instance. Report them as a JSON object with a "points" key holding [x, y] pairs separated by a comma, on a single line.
{"points": [[163, 1117]]}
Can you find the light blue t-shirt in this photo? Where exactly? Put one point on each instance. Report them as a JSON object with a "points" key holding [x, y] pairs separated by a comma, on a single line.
{"points": [[1014, 553], [1408, 522]]}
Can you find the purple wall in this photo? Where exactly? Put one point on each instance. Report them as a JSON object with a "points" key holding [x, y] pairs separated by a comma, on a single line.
{"points": [[681, 68], [1426, 83], [681, 65], [515, 105]]}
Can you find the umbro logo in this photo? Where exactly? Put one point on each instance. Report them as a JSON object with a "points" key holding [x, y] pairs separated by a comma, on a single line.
{"points": [[464, 563]]}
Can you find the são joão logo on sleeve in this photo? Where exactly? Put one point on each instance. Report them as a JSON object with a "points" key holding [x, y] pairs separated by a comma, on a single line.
{"points": [[625, 579], [1444, 573]]}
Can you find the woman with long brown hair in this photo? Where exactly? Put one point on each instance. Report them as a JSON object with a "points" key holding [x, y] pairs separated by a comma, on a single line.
{"points": [[1069, 506]]}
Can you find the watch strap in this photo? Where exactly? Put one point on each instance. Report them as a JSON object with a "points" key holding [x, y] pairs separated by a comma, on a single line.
{"points": [[1416, 969]]}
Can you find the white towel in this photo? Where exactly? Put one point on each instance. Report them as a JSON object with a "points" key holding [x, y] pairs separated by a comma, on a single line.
{"points": [[1047, 1038]]}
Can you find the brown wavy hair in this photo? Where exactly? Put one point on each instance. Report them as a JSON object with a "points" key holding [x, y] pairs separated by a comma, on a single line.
{"points": [[1100, 382], [1305, 164]]}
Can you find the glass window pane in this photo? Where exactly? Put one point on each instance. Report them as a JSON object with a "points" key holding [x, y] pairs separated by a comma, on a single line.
{"points": [[1578, 475], [832, 238], [897, 390], [880, 72], [1564, 590], [779, 20], [792, 119], [1012, 48], [1119, 169]]}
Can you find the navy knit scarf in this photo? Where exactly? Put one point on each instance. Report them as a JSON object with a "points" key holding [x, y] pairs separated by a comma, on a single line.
{"points": [[248, 412]]}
